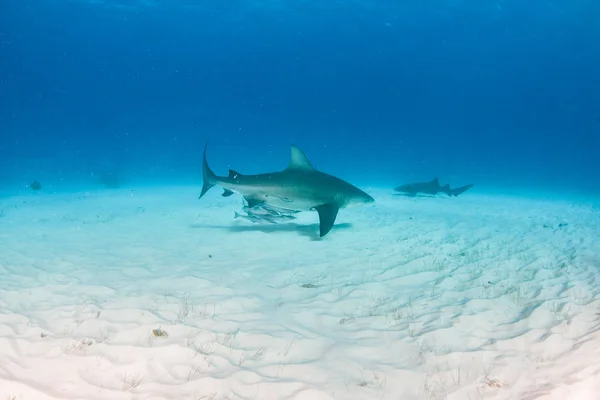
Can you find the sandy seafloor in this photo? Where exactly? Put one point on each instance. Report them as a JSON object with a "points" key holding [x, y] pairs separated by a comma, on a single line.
{"points": [[476, 297]]}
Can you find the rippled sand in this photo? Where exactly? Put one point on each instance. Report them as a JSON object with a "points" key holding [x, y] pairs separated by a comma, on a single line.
{"points": [[152, 294]]}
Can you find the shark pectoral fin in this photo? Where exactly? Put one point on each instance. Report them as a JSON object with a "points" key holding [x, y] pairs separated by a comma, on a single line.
{"points": [[227, 193], [327, 215], [253, 201]]}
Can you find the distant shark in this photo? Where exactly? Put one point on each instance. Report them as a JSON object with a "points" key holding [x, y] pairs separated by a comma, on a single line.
{"points": [[299, 187], [432, 187]]}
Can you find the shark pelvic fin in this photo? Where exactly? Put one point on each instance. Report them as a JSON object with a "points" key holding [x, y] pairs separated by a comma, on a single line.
{"points": [[298, 160], [253, 201], [327, 215], [227, 193]]}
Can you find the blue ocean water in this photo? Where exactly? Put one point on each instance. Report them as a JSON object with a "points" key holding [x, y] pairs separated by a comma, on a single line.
{"points": [[504, 94], [116, 294]]}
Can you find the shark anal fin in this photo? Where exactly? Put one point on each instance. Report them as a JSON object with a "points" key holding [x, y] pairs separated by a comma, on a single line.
{"points": [[227, 193], [253, 201], [327, 215]]}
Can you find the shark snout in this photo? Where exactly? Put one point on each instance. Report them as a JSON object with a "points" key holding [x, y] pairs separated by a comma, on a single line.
{"points": [[365, 198], [361, 199]]}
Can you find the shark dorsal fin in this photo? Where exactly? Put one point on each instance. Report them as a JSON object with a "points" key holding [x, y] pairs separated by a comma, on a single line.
{"points": [[435, 181], [298, 160]]}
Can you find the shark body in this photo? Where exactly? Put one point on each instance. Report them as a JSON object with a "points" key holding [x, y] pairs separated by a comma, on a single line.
{"points": [[432, 187], [299, 187]]}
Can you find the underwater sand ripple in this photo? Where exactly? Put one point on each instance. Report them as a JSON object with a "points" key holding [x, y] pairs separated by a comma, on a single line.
{"points": [[143, 295]]}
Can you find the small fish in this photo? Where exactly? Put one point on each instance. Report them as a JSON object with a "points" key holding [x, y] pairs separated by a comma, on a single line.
{"points": [[256, 210], [255, 218], [262, 218], [266, 209], [266, 213]]}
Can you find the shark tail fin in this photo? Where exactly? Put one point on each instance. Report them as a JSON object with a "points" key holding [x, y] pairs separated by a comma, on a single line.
{"points": [[208, 175], [460, 190]]}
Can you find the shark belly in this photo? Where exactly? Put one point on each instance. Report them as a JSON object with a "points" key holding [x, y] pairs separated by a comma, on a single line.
{"points": [[298, 204], [280, 197]]}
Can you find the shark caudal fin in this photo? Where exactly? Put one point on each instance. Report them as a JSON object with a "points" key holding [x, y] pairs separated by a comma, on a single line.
{"points": [[460, 190], [208, 176]]}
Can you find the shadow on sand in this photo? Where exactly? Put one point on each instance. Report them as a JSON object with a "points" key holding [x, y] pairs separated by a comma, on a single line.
{"points": [[431, 196], [311, 231]]}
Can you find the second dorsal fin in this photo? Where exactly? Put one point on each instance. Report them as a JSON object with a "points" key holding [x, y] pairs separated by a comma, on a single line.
{"points": [[233, 174]]}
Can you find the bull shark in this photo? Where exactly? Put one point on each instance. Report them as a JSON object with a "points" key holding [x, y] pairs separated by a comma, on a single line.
{"points": [[299, 187], [432, 187]]}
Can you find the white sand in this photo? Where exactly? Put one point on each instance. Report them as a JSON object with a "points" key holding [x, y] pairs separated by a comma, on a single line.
{"points": [[433, 298]]}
